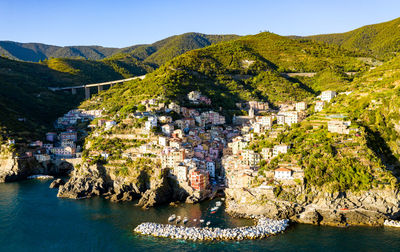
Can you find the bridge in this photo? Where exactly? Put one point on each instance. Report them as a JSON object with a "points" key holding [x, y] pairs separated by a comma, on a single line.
{"points": [[98, 85]]}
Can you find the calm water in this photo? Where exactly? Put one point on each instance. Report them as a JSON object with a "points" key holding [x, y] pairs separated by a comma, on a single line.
{"points": [[32, 218]]}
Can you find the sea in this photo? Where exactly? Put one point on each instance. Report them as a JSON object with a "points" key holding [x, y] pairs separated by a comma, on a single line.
{"points": [[32, 218]]}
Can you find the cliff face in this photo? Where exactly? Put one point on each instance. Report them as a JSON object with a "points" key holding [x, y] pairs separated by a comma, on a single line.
{"points": [[315, 207], [14, 169], [151, 190]]}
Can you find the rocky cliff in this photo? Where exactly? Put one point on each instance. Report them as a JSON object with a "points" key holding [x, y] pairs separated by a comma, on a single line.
{"points": [[13, 168], [315, 207], [151, 189]]}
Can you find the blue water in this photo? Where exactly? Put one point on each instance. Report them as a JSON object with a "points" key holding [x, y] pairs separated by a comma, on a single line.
{"points": [[32, 218]]}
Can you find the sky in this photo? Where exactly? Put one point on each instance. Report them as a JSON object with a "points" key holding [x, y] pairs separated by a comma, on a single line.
{"points": [[118, 23]]}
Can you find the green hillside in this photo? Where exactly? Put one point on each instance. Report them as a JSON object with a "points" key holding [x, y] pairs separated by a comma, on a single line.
{"points": [[243, 69], [166, 49], [381, 40], [375, 102], [25, 93], [36, 52], [155, 54]]}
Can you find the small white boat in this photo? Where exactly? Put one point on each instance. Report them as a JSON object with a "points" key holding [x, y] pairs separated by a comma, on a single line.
{"points": [[214, 209], [185, 220], [223, 199], [218, 203], [201, 220], [208, 223], [178, 219], [40, 176], [194, 220], [172, 218]]}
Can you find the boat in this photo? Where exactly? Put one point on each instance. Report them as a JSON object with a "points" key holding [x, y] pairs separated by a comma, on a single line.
{"points": [[218, 203], [213, 212], [185, 220], [172, 218], [201, 220], [194, 220], [391, 223], [223, 199], [214, 209], [178, 219], [208, 223], [41, 176]]}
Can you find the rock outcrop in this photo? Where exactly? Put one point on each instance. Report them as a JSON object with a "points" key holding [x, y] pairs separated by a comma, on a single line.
{"points": [[364, 208], [160, 192], [57, 183], [86, 182], [13, 168]]}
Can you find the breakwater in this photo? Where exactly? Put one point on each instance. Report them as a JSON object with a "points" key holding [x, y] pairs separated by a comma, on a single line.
{"points": [[264, 228]]}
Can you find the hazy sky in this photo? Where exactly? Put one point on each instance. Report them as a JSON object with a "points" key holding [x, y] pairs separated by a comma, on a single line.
{"points": [[118, 23]]}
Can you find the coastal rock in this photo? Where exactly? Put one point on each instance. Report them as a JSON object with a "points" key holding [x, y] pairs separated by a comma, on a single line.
{"points": [[14, 169], [124, 192], [346, 208], [57, 183], [160, 192], [87, 182]]}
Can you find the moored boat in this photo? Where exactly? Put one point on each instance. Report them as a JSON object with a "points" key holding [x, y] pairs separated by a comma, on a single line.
{"points": [[172, 218]]}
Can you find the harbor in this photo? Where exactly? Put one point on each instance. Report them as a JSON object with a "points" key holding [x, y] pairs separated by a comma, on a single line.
{"points": [[264, 228]]}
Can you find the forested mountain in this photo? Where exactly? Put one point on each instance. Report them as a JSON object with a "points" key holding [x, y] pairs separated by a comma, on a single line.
{"points": [[27, 106], [36, 52], [166, 49], [247, 68], [381, 40], [156, 53]]}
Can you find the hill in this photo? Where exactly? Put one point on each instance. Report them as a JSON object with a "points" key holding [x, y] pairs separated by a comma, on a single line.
{"points": [[374, 102], [36, 52], [156, 53], [28, 108], [166, 49], [381, 40], [234, 71]]}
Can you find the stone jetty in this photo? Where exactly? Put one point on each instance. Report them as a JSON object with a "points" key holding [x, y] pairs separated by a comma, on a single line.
{"points": [[264, 228]]}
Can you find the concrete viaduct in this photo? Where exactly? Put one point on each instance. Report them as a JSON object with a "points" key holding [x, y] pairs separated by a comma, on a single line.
{"points": [[98, 85]]}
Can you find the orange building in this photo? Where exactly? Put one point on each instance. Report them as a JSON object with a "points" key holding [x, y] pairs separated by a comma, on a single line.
{"points": [[199, 179]]}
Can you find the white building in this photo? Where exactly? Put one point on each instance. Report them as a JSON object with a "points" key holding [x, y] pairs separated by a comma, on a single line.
{"points": [[327, 95], [266, 121], [278, 149], [283, 173], [181, 172], [258, 128], [267, 153], [319, 106], [167, 129], [251, 158], [110, 124], [194, 95], [42, 157], [301, 106], [151, 122], [340, 127], [280, 119], [163, 141]]}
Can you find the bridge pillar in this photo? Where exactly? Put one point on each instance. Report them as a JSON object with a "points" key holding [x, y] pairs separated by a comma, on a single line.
{"points": [[87, 93], [99, 88], [73, 91]]}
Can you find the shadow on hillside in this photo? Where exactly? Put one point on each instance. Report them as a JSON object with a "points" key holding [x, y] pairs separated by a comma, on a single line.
{"points": [[377, 143]]}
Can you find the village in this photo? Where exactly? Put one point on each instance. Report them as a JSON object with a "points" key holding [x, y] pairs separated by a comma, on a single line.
{"points": [[200, 149]]}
